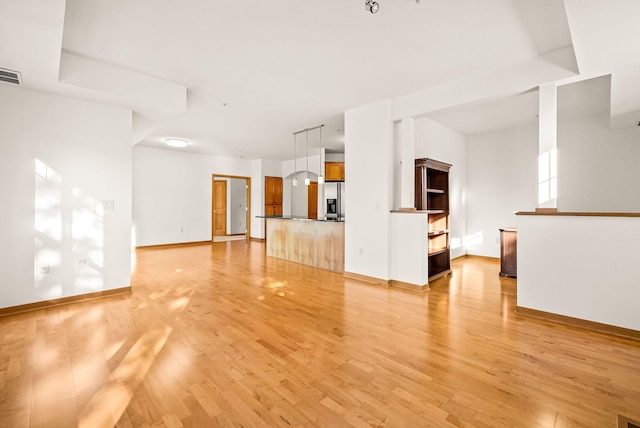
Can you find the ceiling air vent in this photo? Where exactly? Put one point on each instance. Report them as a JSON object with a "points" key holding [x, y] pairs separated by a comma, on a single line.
{"points": [[10, 76]]}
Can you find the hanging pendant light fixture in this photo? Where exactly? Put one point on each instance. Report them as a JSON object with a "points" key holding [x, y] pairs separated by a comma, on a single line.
{"points": [[321, 176], [295, 162], [307, 180]]}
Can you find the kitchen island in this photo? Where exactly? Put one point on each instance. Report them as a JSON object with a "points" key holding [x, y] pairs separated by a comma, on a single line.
{"points": [[317, 243]]}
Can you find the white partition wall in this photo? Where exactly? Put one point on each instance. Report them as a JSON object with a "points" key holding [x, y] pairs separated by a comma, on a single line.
{"points": [[583, 267], [368, 157], [409, 248]]}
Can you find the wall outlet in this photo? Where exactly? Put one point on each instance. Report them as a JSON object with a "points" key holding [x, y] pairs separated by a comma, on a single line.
{"points": [[181, 229], [361, 251], [108, 205], [44, 270], [81, 264]]}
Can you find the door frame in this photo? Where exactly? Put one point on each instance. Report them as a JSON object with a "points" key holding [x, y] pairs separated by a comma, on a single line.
{"points": [[248, 180]]}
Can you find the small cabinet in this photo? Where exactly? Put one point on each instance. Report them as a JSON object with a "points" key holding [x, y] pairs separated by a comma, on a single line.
{"points": [[509, 252], [432, 195], [334, 171], [273, 196]]}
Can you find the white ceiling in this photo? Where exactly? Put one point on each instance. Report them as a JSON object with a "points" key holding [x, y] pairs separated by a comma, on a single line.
{"points": [[237, 78], [584, 98]]}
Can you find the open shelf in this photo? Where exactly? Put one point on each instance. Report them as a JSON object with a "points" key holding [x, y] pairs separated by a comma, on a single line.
{"points": [[432, 196], [437, 251]]}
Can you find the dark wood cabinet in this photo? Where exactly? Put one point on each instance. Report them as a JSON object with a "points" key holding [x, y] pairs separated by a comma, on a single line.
{"points": [[273, 196], [432, 195], [509, 252]]}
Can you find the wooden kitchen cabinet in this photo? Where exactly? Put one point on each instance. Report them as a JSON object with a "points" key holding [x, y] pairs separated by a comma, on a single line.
{"points": [[334, 171], [273, 196]]}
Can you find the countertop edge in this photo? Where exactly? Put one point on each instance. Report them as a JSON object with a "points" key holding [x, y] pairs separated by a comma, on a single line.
{"points": [[577, 214], [299, 219]]}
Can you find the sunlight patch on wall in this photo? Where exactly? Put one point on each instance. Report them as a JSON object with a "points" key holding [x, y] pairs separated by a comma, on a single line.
{"points": [[69, 237], [473, 240], [87, 232], [548, 176], [48, 231]]}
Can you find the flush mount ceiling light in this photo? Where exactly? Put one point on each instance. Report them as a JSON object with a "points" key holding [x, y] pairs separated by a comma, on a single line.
{"points": [[371, 5], [174, 142]]}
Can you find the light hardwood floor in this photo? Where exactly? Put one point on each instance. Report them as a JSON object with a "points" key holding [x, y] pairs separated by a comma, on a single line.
{"points": [[221, 335]]}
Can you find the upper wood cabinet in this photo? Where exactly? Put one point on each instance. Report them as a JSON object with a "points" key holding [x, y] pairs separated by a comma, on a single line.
{"points": [[334, 171], [273, 190], [273, 196]]}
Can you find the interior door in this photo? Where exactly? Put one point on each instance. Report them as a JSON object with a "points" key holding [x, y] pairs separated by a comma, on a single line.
{"points": [[219, 208], [312, 200]]}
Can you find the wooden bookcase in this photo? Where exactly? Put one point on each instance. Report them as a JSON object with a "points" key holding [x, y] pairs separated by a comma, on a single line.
{"points": [[432, 195]]}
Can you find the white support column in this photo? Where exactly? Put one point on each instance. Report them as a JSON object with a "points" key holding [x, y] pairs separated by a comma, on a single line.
{"points": [[407, 149], [547, 146], [321, 203]]}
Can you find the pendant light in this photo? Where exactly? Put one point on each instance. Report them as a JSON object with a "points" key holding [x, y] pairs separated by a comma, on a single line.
{"points": [[295, 162], [320, 176], [307, 181]]}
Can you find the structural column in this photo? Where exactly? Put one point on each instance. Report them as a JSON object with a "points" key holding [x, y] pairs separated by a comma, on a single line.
{"points": [[407, 148]]}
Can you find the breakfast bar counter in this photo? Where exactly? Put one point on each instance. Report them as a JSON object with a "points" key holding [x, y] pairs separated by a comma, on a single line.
{"points": [[317, 243]]}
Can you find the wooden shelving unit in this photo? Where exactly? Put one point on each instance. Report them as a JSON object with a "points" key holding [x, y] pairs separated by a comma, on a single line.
{"points": [[432, 195]]}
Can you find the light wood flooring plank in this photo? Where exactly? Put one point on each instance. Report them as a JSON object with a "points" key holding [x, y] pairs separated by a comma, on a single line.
{"points": [[221, 335]]}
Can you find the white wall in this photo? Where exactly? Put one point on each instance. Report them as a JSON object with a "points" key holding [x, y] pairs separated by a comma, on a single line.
{"points": [[436, 141], [502, 175], [60, 159], [237, 200], [580, 267], [172, 194], [597, 171], [295, 199], [598, 168], [368, 166]]}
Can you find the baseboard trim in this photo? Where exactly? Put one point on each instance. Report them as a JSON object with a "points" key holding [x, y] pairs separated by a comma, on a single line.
{"points": [[257, 239], [409, 287], [457, 259], [580, 323], [167, 246], [440, 275], [487, 258], [365, 278], [387, 283], [11, 310]]}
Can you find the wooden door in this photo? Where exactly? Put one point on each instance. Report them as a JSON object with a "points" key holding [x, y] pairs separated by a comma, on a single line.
{"points": [[312, 200], [219, 208]]}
